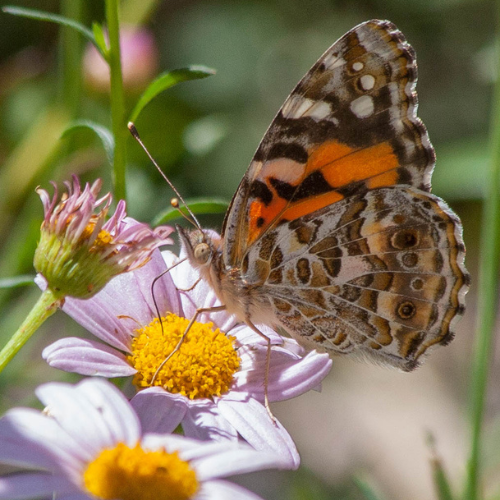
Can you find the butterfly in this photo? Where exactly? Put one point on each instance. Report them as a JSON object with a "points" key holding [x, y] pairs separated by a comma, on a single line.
{"points": [[333, 236]]}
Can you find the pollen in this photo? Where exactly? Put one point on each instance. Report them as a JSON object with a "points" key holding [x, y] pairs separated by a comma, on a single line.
{"points": [[126, 473], [103, 238], [203, 366]]}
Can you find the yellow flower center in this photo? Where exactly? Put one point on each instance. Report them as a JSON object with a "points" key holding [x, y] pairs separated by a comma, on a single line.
{"points": [[125, 473], [203, 366], [103, 239]]}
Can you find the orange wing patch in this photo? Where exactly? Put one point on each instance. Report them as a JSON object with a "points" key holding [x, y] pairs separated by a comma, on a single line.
{"points": [[338, 166], [341, 164]]}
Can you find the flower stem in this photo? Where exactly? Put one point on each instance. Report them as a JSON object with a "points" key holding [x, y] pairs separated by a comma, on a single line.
{"points": [[117, 99], [47, 304], [488, 295], [70, 57]]}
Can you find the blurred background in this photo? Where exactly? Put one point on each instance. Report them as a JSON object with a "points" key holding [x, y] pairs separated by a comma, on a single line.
{"points": [[368, 422]]}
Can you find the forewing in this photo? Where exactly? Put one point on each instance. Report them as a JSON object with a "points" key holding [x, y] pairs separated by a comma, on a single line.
{"points": [[350, 125]]}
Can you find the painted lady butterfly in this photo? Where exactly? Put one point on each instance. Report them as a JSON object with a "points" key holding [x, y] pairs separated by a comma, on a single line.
{"points": [[333, 235]]}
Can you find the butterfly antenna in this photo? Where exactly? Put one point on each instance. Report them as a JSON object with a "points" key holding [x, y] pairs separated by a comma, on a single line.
{"points": [[174, 202]]}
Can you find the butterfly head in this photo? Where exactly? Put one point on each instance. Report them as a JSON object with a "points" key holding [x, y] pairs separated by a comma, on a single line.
{"points": [[198, 246]]}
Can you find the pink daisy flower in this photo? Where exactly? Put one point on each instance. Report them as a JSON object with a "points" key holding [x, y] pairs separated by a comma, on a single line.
{"points": [[79, 251], [216, 378], [88, 444]]}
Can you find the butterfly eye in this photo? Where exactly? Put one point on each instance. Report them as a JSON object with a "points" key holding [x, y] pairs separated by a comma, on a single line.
{"points": [[202, 253]]}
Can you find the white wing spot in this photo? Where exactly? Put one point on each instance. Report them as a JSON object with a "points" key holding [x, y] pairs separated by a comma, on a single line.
{"points": [[363, 106], [296, 106], [367, 82], [332, 61], [357, 66], [319, 110]]}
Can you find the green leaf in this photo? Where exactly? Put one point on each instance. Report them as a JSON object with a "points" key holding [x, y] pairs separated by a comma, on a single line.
{"points": [[54, 18], [17, 281], [102, 132], [441, 482], [197, 206], [100, 39], [167, 80], [366, 489]]}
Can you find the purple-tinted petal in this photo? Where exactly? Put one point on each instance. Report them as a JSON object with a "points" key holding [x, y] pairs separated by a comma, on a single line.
{"points": [[158, 410], [224, 490], [201, 295], [76, 496], [289, 375], [114, 409], [204, 422], [189, 449], [246, 336], [34, 485], [94, 413], [126, 304], [30, 439], [252, 421], [240, 460], [76, 417], [87, 357]]}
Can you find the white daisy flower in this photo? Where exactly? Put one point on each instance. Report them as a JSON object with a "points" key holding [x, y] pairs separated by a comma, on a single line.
{"points": [[216, 378], [88, 444]]}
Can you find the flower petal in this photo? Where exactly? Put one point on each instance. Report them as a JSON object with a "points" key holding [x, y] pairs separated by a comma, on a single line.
{"points": [[114, 409], [289, 374], [203, 421], [31, 439], [252, 421], [224, 490], [94, 413], [34, 485], [125, 303], [158, 410], [87, 357], [238, 460]]}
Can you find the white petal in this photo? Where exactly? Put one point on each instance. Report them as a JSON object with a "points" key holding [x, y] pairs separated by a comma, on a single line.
{"points": [[114, 409], [203, 421], [252, 421], [34, 485], [223, 490], [31, 439], [87, 412], [236, 461], [87, 357], [158, 410]]}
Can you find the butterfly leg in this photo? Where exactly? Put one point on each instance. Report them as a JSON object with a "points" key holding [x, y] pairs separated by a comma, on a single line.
{"points": [[192, 287], [199, 311], [268, 365]]}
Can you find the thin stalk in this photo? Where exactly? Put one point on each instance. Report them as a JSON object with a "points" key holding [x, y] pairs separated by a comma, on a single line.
{"points": [[71, 57], [117, 99], [488, 295], [47, 304]]}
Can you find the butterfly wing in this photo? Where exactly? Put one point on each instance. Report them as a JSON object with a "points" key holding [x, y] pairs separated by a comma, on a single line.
{"points": [[350, 125], [378, 274], [333, 228]]}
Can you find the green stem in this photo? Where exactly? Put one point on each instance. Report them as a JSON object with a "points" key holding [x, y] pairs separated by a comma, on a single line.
{"points": [[71, 57], [47, 304], [488, 296], [117, 99]]}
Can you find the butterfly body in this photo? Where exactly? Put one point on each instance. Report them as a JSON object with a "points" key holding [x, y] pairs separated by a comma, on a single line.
{"points": [[333, 235]]}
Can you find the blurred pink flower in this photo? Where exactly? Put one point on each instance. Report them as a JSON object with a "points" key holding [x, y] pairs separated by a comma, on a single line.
{"points": [[139, 61]]}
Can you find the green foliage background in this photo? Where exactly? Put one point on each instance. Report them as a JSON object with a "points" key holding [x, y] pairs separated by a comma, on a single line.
{"points": [[203, 134]]}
